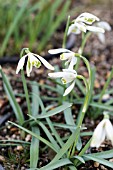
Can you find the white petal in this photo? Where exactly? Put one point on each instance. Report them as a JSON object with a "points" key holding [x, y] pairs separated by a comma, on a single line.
{"points": [[66, 56], [28, 67], [101, 37], [88, 16], [59, 50], [73, 29], [72, 63], [69, 71], [57, 74], [95, 29], [81, 26], [98, 135], [104, 25], [46, 64], [109, 130], [21, 64], [32, 58], [69, 89], [69, 77]]}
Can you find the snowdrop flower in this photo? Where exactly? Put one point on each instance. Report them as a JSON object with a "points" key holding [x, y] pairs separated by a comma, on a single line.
{"points": [[103, 130], [106, 27], [67, 76], [83, 23], [32, 60], [65, 55]]}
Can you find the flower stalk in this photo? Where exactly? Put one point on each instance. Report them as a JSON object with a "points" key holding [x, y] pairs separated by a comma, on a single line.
{"points": [[25, 84]]}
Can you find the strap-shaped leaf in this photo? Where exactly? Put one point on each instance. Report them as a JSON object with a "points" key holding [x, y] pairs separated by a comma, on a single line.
{"points": [[9, 91], [35, 135], [98, 159], [55, 111]]}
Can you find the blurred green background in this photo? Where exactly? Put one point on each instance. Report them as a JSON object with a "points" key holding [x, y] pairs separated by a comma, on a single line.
{"points": [[29, 23], [32, 23]]}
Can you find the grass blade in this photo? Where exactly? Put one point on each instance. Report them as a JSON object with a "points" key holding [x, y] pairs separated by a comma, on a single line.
{"points": [[47, 143], [13, 25], [34, 148], [67, 145], [12, 100], [55, 111], [98, 159], [55, 165]]}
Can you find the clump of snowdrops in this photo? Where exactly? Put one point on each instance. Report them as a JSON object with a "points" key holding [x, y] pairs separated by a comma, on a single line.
{"points": [[67, 152]]}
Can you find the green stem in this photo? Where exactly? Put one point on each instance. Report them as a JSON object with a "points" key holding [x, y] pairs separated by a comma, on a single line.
{"points": [[24, 83], [26, 92], [86, 101], [65, 34], [80, 51], [87, 98], [84, 40], [85, 82], [106, 86]]}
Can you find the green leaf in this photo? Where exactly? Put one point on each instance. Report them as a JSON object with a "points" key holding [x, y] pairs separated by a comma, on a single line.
{"points": [[54, 26], [72, 139], [9, 91], [55, 111], [80, 159], [95, 104], [47, 143], [47, 133], [53, 130], [13, 25], [69, 117], [35, 102], [54, 165], [34, 148], [98, 159], [71, 167], [103, 154]]}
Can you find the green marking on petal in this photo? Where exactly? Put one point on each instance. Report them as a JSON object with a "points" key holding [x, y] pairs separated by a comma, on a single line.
{"points": [[64, 81], [37, 64], [62, 57], [89, 19]]}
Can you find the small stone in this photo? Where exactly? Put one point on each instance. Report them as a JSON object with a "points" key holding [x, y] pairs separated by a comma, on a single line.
{"points": [[19, 148], [105, 97], [96, 84], [103, 168], [96, 164], [28, 138], [111, 160], [2, 159], [13, 136]]}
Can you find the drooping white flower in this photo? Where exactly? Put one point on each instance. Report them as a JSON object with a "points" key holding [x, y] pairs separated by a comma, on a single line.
{"points": [[103, 130], [32, 60], [67, 76], [87, 18], [83, 23], [65, 55], [106, 27]]}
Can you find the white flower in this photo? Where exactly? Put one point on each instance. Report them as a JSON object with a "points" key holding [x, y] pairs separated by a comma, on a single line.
{"points": [[103, 130], [87, 18], [65, 55], [106, 27], [67, 76], [83, 23], [33, 60]]}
